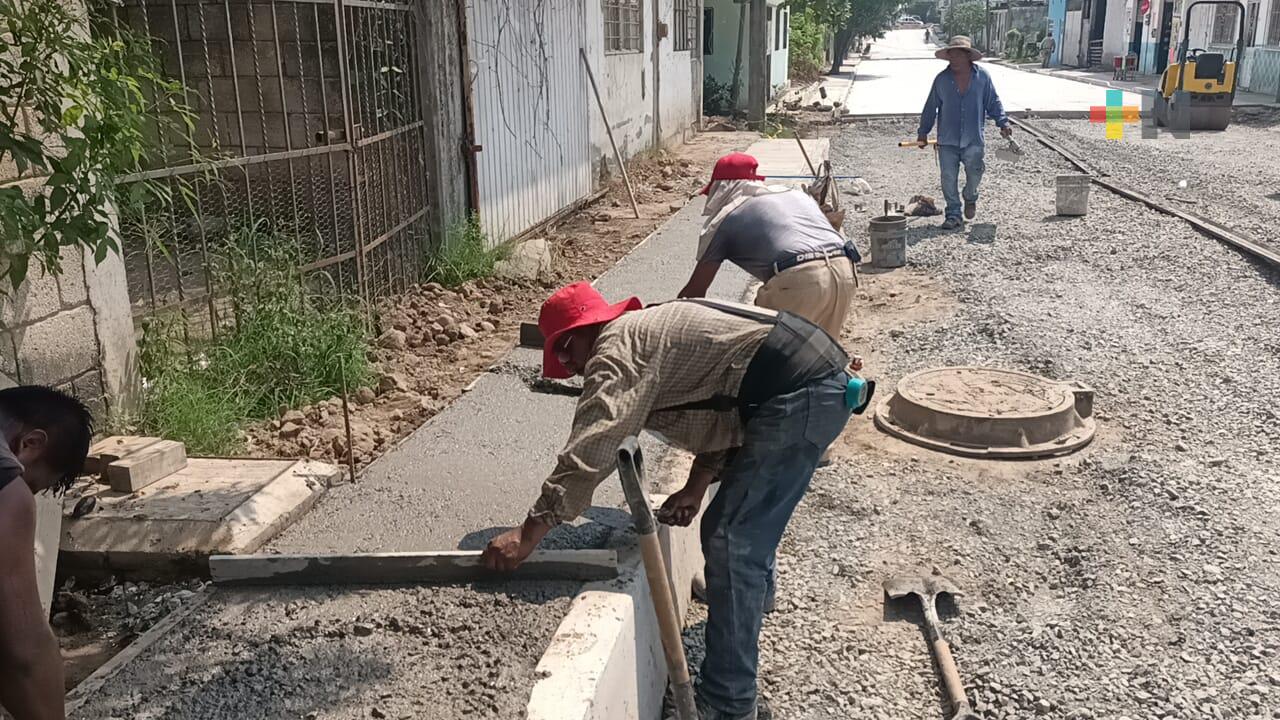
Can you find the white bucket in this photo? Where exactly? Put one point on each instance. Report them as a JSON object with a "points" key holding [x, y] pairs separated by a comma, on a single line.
{"points": [[1073, 194]]}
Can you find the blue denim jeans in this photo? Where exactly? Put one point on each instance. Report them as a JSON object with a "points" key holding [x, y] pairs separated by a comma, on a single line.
{"points": [[950, 158], [743, 525]]}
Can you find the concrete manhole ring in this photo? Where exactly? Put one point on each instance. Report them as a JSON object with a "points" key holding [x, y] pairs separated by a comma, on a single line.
{"points": [[988, 412]]}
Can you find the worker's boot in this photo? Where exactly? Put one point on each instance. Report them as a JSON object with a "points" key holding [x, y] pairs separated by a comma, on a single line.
{"points": [[952, 224], [970, 209], [762, 712]]}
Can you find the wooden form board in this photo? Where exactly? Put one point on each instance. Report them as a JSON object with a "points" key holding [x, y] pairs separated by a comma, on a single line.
{"points": [[406, 568], [143, 467], [108, 450], [530, 335]]}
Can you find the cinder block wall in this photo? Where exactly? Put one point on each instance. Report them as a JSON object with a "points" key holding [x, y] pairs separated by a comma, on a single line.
{"points": [[73, 331]]}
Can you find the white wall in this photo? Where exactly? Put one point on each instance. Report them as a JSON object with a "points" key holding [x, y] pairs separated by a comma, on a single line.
{"points": [[627, 86], [1113, 43], [779, 58]]}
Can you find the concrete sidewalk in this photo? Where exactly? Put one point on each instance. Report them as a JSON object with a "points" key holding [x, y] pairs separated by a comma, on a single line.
{"points": [[476, 468], [1142, 84]]}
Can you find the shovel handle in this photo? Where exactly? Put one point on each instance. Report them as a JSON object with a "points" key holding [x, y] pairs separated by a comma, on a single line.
{"points": [[950, 676], [915, 143]]}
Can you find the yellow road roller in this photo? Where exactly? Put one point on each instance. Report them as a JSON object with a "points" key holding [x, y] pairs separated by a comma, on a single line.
{"points": [[1196, 92]]}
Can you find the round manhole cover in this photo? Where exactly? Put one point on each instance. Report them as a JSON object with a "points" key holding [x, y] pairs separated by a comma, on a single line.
{"points": [[987, 412]]}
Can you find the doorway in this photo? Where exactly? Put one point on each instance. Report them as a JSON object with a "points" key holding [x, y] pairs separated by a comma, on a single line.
{"points": [[1166, 28]]}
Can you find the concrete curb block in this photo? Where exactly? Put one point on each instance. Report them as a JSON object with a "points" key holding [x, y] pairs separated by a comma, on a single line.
{"points": [[605, 661]]}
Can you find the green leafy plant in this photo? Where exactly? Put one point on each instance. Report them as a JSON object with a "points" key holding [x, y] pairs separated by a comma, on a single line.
{"points": [[78, 110], [1013, 43], [464, 255], [852, 20], [808, 57], [717, 97], [968, 19], [285, 348]]}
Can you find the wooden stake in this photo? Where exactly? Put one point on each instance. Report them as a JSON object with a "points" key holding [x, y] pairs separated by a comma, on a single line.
{"points": [[609, 130], [406, 568]]}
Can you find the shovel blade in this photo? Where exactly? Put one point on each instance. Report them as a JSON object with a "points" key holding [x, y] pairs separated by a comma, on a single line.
{"points": [[923, 586]]}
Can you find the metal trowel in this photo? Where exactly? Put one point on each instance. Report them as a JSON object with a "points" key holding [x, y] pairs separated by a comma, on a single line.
{"points": [[1010, 152]]}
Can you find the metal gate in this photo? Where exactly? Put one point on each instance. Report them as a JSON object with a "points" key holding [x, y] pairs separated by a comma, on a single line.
{"points": [[531, 110], [310, 133]]}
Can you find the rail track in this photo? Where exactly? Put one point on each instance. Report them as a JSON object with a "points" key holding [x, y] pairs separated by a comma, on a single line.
{"points": [[1266, 251]]}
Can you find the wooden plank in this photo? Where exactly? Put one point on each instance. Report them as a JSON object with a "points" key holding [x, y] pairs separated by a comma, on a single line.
{"points": [[108, 450], [90, 686], [48, 539], [406, 568], [139, 469], [530, 335]]}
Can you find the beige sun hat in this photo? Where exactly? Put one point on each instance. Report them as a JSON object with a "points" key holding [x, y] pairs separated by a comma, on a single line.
{"points": [[959, 42]]}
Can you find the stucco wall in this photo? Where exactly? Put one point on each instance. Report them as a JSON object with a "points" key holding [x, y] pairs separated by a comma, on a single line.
{"points": [[627, 87], [1113, 43]]}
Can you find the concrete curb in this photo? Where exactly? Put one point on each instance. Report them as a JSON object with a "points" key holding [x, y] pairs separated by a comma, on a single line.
{"points": [[605, 660]]}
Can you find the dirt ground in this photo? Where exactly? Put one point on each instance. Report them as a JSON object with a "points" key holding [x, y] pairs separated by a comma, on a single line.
{"points": [[415, 380]]}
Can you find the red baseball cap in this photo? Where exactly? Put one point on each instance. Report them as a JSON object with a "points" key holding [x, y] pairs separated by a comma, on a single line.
{"points": [[734, 166], [574, 306]]}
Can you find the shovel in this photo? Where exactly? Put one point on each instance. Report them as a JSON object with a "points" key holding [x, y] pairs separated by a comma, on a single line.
{"points": [[631, 472], [927, 589]]}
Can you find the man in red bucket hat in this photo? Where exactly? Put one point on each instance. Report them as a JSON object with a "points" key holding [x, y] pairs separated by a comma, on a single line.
{"points": [[758, 395]]}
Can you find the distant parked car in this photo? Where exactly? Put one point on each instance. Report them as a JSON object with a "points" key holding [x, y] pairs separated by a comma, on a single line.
{"points": [[910, 21]]}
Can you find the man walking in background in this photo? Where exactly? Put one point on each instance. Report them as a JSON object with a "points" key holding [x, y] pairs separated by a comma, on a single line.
{"points": [[1047, 46], [46, 438], [961, 99]]}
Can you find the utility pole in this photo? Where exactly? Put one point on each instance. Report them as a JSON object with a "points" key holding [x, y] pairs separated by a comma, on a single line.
{"points": [[758, 65], [986, 33]]}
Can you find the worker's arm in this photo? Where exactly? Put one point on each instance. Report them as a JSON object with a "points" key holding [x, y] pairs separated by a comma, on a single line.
{"points": [[995, 109], [929, 115], [703, 274], [31, 683], [616, 400], [685, 504]]}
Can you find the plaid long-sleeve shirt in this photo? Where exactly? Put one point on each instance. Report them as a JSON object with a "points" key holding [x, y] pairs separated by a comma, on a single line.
{"points": [[644, 363]]}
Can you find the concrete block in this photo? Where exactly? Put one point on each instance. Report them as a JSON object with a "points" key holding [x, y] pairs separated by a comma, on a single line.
{"points": [[35, 300], [59, 348], [139, 469], [88, 387], [108, 450], [71, 283]]}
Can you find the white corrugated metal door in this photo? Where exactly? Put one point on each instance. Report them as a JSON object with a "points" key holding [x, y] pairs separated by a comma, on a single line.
{"points": [[531, 111]]}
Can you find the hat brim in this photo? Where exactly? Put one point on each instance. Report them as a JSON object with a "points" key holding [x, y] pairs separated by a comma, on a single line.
{"points": [[706, 189], [551, 365], [941, 53]]}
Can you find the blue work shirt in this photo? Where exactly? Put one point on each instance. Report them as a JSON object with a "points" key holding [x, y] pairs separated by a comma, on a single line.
{"points": [[960, 117]]}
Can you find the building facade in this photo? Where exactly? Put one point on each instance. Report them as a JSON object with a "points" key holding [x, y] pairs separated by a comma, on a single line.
{"points": [[727, 56]]}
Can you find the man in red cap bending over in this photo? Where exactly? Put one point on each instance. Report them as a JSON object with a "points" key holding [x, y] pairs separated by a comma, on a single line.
{"points": [[779, 235], [757, 395]]}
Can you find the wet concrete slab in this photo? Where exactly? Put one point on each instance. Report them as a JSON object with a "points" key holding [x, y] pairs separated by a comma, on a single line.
{"points": [[475, 469]]}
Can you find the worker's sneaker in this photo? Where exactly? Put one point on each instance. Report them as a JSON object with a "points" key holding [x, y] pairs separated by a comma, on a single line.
{"points": [[952, 223], [970, 209]]}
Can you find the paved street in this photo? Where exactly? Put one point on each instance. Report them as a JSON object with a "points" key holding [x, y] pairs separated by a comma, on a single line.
{"points": [[897, 76]]}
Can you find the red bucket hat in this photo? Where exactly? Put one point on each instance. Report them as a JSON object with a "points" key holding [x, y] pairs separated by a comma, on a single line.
{"points": [[734, 166], [574, 306]]}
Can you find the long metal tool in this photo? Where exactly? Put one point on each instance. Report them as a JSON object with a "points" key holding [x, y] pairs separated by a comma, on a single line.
{"points": [[631, 471], [617, 156], [927, 588]]}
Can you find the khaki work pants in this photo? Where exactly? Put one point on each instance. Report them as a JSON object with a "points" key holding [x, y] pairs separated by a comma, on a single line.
{"points": [[819, 291]]}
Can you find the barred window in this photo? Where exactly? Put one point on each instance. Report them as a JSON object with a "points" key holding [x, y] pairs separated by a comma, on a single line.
{"points": [[1251, 25], [623, 25], [1224, 24], [708, 31], [1273, 25], [684, 25]]}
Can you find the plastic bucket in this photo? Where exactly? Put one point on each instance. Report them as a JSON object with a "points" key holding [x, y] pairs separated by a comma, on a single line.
{"points": [[1073, 194], [888, 241]]}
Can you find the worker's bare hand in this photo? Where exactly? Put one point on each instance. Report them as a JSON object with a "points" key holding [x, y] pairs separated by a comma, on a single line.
{"points": [[506, 551], [683, 506], [922, 141], [855, 362], [1006, 131]]}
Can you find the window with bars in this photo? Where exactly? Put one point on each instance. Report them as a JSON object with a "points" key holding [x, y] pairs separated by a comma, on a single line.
{"points": [[1224, 24], [623, 26], [1273, 24], [786, 29], [1251, 25], [684, 25], [708, 31]]}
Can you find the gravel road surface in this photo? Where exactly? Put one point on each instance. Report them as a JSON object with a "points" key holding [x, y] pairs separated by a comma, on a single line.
{"points": [[1138, 578]]}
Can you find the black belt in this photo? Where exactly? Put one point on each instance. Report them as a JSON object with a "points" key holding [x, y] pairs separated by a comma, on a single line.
{"points": [[848, 251]]}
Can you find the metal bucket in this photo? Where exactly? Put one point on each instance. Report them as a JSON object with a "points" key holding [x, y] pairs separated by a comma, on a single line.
{"points": [[1073, 194], [888, 241]]}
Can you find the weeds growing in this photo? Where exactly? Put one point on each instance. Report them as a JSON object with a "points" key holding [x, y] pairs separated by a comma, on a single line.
{"points": [[464, 255]]}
